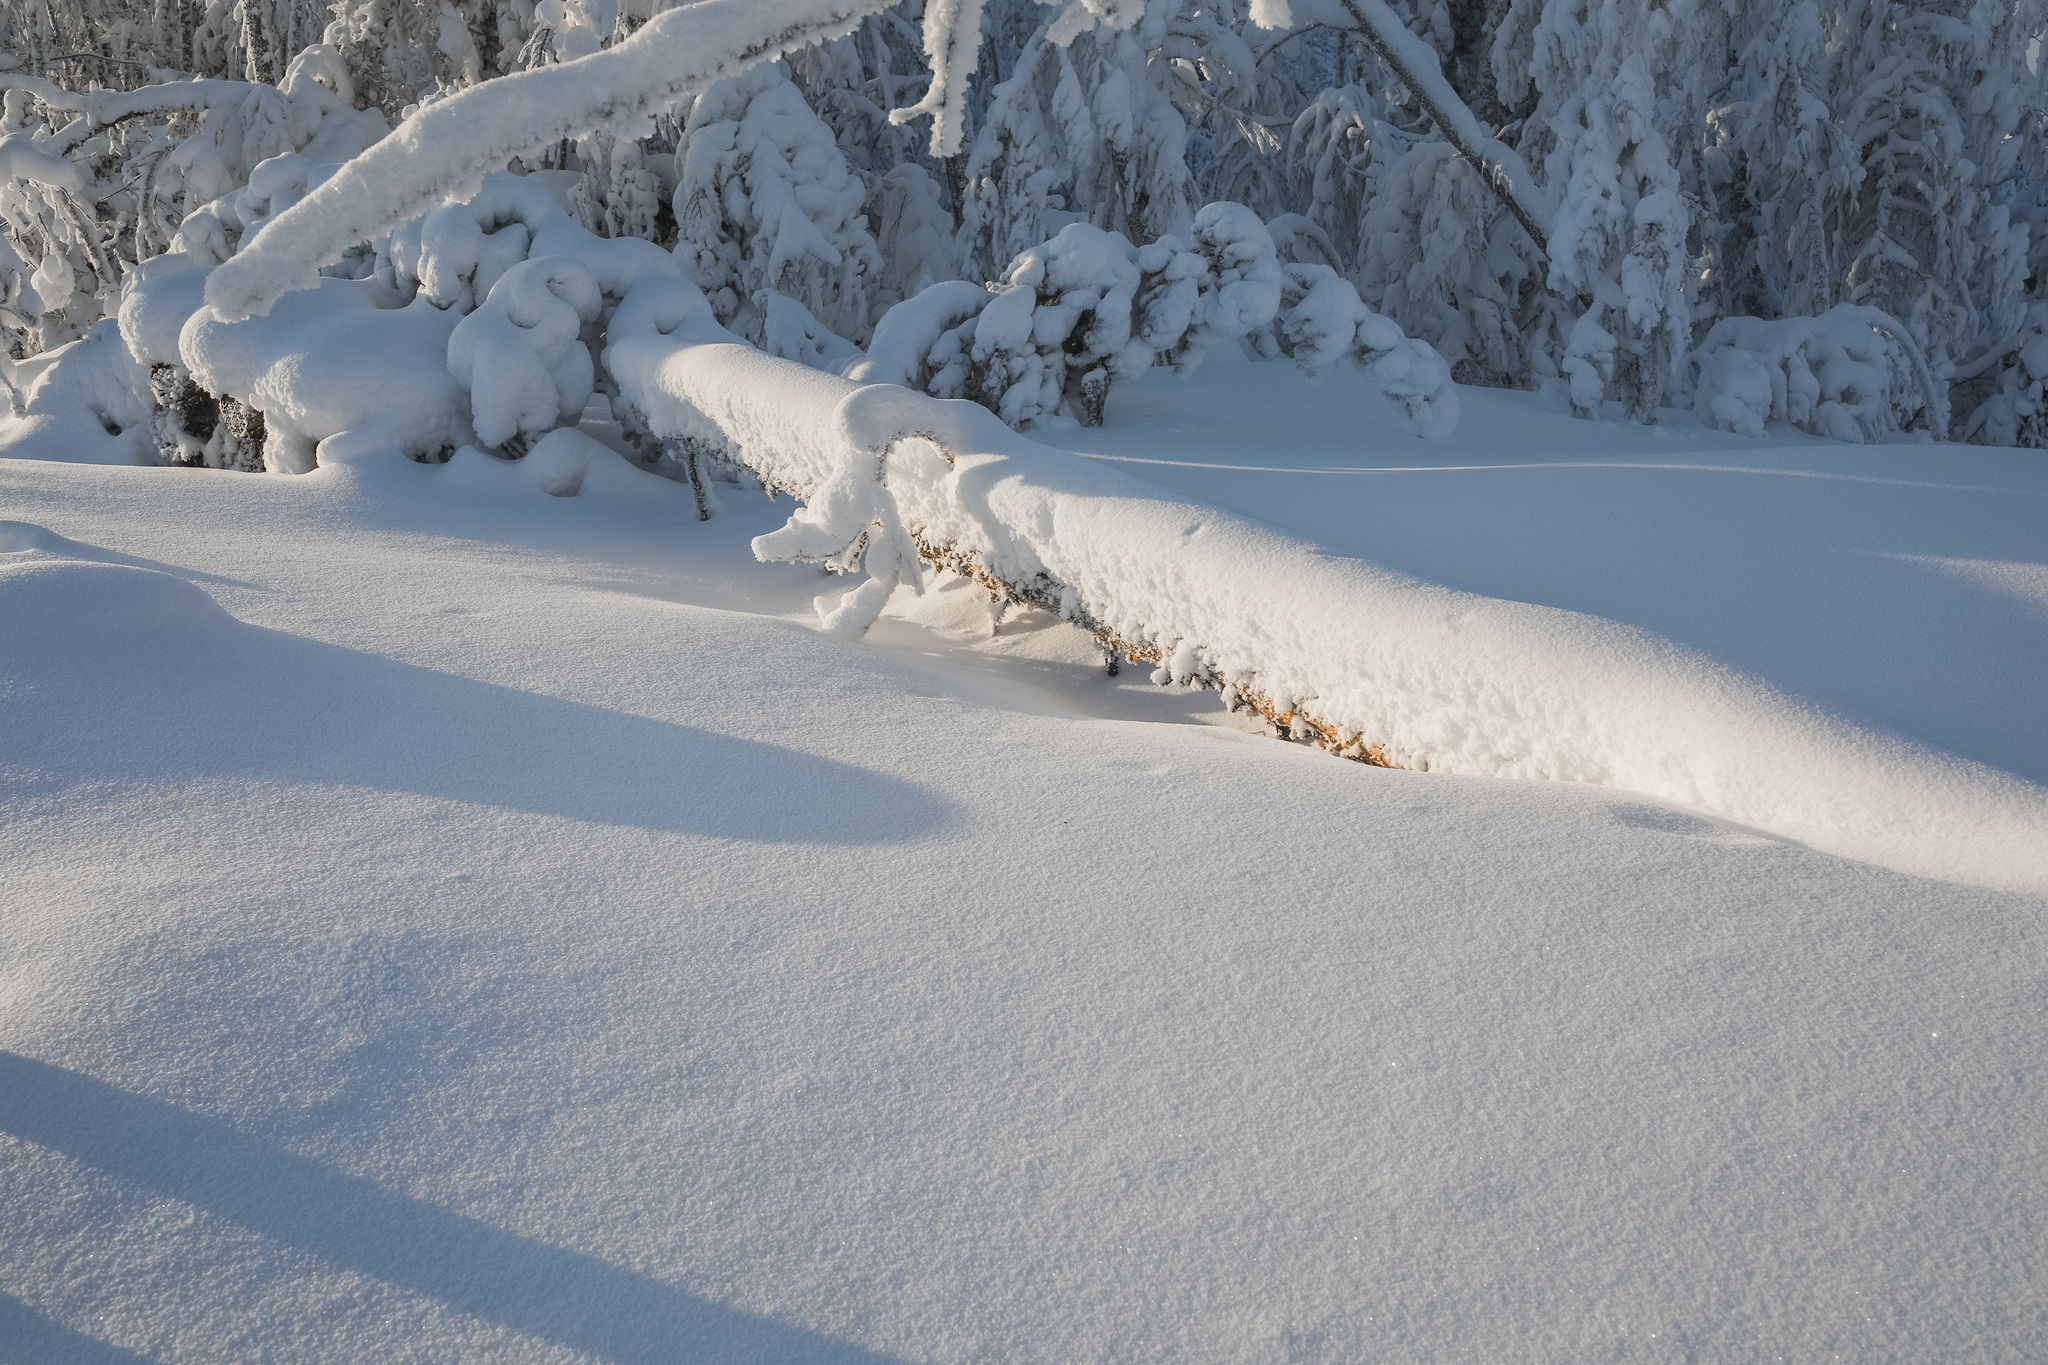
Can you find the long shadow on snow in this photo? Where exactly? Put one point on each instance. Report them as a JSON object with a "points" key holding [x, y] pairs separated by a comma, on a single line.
{"points": [[529, 1286], [29, 1338], [165, 687]]}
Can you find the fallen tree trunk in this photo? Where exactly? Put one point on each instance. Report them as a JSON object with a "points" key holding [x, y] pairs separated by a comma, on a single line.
{"points": [[1358, 659]]}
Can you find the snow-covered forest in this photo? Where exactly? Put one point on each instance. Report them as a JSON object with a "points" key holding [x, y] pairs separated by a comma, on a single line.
{"points": [[1833, 216], [1023, 680]]}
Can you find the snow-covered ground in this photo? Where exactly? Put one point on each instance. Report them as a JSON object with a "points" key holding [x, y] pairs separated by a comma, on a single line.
{"points": [[444, 920]]}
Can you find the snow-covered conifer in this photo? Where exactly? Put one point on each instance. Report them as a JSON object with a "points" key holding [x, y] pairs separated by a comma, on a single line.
{"points": [[1617, 238], [764, 200], [1080, 132]]}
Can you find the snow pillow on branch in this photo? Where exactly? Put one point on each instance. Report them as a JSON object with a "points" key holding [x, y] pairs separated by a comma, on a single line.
{"points": [[520, 354], [1853, 373], [456, 254], [1323, 322]]}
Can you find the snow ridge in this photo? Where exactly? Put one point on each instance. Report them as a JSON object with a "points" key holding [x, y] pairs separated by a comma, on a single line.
{"points": [[1363, 660]]}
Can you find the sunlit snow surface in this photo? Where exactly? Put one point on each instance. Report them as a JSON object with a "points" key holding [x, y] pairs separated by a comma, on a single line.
{"points": [[442, 921]]}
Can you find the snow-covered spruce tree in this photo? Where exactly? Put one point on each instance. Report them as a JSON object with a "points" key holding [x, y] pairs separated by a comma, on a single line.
{"points": [[1082, 132], [1617, 238], [764, 201], [1783, 173], [1440, 255], [1337, 149], [2016, 413], [852, 84], [400, 52], [620, 192], [1982, 48], [1909, 241]]}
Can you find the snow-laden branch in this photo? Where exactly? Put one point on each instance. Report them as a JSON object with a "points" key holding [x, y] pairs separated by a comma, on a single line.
{"points": [[444, 151], [1411, 61], [27, 156], [952, 35], [50, 93]]}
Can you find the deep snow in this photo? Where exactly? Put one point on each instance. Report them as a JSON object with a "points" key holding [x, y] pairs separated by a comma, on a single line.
{"points": [[443, 919]]}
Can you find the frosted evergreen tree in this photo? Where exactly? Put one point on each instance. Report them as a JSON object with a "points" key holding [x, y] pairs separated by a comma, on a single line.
{"points": [[764, 201], [1080, 133], [1788, 172], [1909, 243], [1617, 239]]}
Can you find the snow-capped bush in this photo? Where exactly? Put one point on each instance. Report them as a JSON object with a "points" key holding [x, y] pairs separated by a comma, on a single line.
{"points": [[906, 346], [764, 201], [1323, 322], [520, 355], [1853, 373], [1077, 314]]}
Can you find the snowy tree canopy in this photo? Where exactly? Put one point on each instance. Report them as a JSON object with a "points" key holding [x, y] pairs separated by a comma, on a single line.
{"points": [[1566, 193]]}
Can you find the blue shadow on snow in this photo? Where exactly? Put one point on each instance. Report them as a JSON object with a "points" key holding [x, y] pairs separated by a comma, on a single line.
{"points": [[531, 1287]]}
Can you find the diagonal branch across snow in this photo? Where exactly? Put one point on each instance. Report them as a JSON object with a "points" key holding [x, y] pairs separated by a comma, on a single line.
{"points": [[1411, 61], [444, 151]]}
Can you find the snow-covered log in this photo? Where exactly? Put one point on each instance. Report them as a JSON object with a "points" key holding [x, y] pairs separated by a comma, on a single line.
{"points": [[1362, 661]]}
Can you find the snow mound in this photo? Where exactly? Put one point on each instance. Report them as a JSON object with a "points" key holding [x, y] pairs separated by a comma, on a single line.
{"points": [[49, 603], [87, 406]]}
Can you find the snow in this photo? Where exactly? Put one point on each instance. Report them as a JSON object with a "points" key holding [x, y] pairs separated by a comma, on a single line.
{"points": [[1862, 581], [445, 920], [504, 903]]}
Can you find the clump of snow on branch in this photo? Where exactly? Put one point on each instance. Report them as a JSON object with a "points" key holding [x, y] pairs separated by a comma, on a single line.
{"points": [[519, 354], [1323, 322], [852, 520]]}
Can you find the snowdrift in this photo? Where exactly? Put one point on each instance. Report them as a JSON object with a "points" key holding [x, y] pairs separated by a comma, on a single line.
{"points": [[1360, 660]]}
